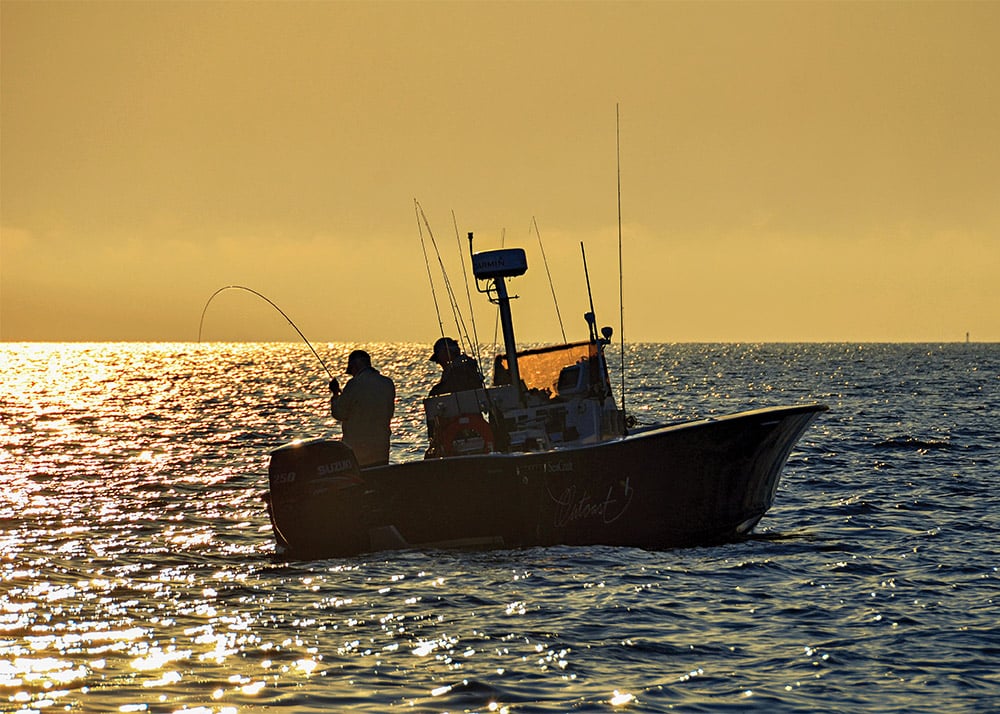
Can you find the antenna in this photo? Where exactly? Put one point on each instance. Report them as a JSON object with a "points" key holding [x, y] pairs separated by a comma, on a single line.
{"points": [[621, 290]]}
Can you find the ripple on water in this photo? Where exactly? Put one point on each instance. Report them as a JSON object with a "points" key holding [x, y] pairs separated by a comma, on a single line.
{"points": [[139, 572]]}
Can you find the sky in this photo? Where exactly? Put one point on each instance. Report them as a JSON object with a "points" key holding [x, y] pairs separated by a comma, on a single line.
{"points": [[794, 171]]}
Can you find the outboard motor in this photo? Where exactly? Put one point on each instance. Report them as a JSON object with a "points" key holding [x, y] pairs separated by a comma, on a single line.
{"points": [[315, 499]]}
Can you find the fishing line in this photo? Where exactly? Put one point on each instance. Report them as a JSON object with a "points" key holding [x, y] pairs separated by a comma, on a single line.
{"points": [[272, 304]]}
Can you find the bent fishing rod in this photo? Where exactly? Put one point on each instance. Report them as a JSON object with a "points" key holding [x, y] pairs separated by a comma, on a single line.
{"points": [[270, 302]]}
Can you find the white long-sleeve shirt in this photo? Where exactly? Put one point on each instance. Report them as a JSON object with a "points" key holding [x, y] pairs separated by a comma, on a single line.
{"points": [[365, 408]]}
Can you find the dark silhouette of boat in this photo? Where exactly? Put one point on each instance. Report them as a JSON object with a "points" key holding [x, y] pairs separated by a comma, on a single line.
{"points": [[542, 457]]}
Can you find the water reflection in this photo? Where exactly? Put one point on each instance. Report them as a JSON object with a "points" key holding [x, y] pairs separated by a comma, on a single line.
{"points": [[138, 569]]}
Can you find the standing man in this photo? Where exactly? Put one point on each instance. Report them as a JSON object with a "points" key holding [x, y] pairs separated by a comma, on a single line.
{"points": [[458, 371], [364, 408]]}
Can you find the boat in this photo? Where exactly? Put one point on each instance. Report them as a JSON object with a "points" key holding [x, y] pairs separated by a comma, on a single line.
{"points": [[544, 456]]}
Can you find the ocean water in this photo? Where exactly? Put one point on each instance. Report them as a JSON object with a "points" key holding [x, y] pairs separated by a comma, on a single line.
{"points": [[138, 572]]}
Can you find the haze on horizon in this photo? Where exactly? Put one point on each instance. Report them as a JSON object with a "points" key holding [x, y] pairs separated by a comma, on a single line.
{"points": [[789, 171]]}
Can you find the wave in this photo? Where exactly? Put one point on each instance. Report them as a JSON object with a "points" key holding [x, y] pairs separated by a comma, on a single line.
{"points": [[910, 443]]}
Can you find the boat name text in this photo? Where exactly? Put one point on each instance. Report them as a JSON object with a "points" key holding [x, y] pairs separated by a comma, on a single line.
{"points": [[571, 507], [549, 467]]}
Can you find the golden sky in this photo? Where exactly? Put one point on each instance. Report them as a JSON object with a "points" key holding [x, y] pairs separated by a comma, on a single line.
{"points": [[789, 171]]}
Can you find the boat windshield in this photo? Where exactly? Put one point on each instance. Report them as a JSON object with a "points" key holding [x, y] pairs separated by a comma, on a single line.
{"points": [[559, 371]]}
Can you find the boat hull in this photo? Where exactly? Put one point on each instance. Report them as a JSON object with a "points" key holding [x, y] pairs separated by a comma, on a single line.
{"points": [[695, 483]]}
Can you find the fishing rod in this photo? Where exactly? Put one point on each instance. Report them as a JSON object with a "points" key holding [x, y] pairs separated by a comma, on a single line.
{"points": [[266, 299], [427, 262], [456, 310], [551, 286], [474, 342], [591, 319]]}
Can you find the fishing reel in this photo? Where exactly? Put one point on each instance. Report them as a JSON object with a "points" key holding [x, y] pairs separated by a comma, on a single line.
{"points": [[606, 331]]}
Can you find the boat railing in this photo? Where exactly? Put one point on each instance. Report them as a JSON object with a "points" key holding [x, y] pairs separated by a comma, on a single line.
{"points": [[473, 401]]}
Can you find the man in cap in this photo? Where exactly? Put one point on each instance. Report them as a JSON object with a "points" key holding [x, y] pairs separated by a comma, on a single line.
{"points": [[458, 371], [364, 407]]}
